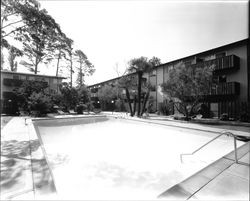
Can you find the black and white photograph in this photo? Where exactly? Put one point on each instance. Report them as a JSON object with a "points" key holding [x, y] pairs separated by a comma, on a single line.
{"points": [[125, 100]]}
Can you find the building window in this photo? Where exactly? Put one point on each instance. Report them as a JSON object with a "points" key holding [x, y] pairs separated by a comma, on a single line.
{"points": [[152, 88], [165, 70], [16, 77], [170, 68], [31, 78], [220, 55], [222, 78], [152, 73], [23, 77], [198, 59], [188, 63], [54, 81]]}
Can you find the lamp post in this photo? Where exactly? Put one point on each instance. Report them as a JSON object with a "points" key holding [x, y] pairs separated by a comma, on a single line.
{"points": [[112, 104], [10, 105]]}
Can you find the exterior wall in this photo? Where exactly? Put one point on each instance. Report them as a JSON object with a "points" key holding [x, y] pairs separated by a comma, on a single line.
{"points": [[53, 83]]}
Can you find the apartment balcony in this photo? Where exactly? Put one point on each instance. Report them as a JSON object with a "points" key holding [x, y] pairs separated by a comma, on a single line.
{"points": [[94, 90], [223, 91], [226, 64], [17, 83], [12, 82], [222, 65], [93, 95]]}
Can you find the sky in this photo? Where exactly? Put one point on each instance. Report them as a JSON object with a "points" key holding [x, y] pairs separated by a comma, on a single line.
{"points": [[111, 33]]}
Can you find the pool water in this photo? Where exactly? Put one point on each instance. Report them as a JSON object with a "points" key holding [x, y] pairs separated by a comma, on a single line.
{"points": [[111, 159]]}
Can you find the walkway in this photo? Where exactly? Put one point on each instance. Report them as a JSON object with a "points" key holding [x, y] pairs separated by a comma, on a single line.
{"points": [[24, 170]]}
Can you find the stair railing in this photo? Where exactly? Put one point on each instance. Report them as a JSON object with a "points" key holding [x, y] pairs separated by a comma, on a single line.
{"points": [[222, 133]]}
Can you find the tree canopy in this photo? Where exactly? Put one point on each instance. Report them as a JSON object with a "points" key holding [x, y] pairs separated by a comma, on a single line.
{"points": [[39, 40], [85, 66], [33, 27], [187, 86], [140, 65]]}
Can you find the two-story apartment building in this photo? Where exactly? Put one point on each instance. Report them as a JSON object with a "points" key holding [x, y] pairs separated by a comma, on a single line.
{"points": [[231, 74], [11, 80]]}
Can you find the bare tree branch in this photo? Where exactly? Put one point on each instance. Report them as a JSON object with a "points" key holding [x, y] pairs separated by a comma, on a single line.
{"points": [[13, 31], [11, 24]]}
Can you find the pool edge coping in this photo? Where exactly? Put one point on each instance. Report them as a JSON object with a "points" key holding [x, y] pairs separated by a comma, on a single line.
{"points": [[34, 134], [181, 189]]}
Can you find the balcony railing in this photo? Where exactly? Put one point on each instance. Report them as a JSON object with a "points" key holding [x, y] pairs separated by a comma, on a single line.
{"points": [[222, 64], [94, 90], [12, 82], [226, 63], [227, 88], [17, 83]]}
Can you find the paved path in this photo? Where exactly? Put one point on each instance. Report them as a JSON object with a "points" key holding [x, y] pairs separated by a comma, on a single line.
{"points": [[164, 120], [24, 170]]}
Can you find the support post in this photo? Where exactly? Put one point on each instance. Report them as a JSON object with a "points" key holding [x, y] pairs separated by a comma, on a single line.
{"points": [[235, 150]]}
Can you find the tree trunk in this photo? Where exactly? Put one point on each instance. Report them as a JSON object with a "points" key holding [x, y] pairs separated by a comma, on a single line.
{"points": [[37, 60], [129, 101], [134, 106], [58, 61], [139, 93], [36, 66], [145, 103], [80, 75], [186, 112], [71, 72]]}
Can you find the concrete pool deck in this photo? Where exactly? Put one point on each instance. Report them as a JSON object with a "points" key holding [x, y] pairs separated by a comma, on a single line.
{"points": [[25, 174]]}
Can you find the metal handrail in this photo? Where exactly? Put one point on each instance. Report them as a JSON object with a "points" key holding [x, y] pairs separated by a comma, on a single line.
{"points": [[222, 133]]}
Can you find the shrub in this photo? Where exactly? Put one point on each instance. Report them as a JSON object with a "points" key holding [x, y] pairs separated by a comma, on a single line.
{"points": [[224, 117], [119, 106], [90, 106], [150, 107], [27, 90], [204, 111], [166, 108], [40, 102], [162, 109], [80, 108]]}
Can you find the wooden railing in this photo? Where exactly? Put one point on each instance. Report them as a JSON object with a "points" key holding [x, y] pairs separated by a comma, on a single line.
{"points": [[221, 64], [12, 82], [17, 83], [227, 88]]}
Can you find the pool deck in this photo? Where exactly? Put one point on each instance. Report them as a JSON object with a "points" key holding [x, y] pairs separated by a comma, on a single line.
{"points": [[25, 174]]}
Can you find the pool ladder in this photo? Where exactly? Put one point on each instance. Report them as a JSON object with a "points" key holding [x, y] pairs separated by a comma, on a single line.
{"points": [[227, 133]]}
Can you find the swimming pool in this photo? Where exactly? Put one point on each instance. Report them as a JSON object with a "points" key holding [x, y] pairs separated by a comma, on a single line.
{"points": [[106, 158]]}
